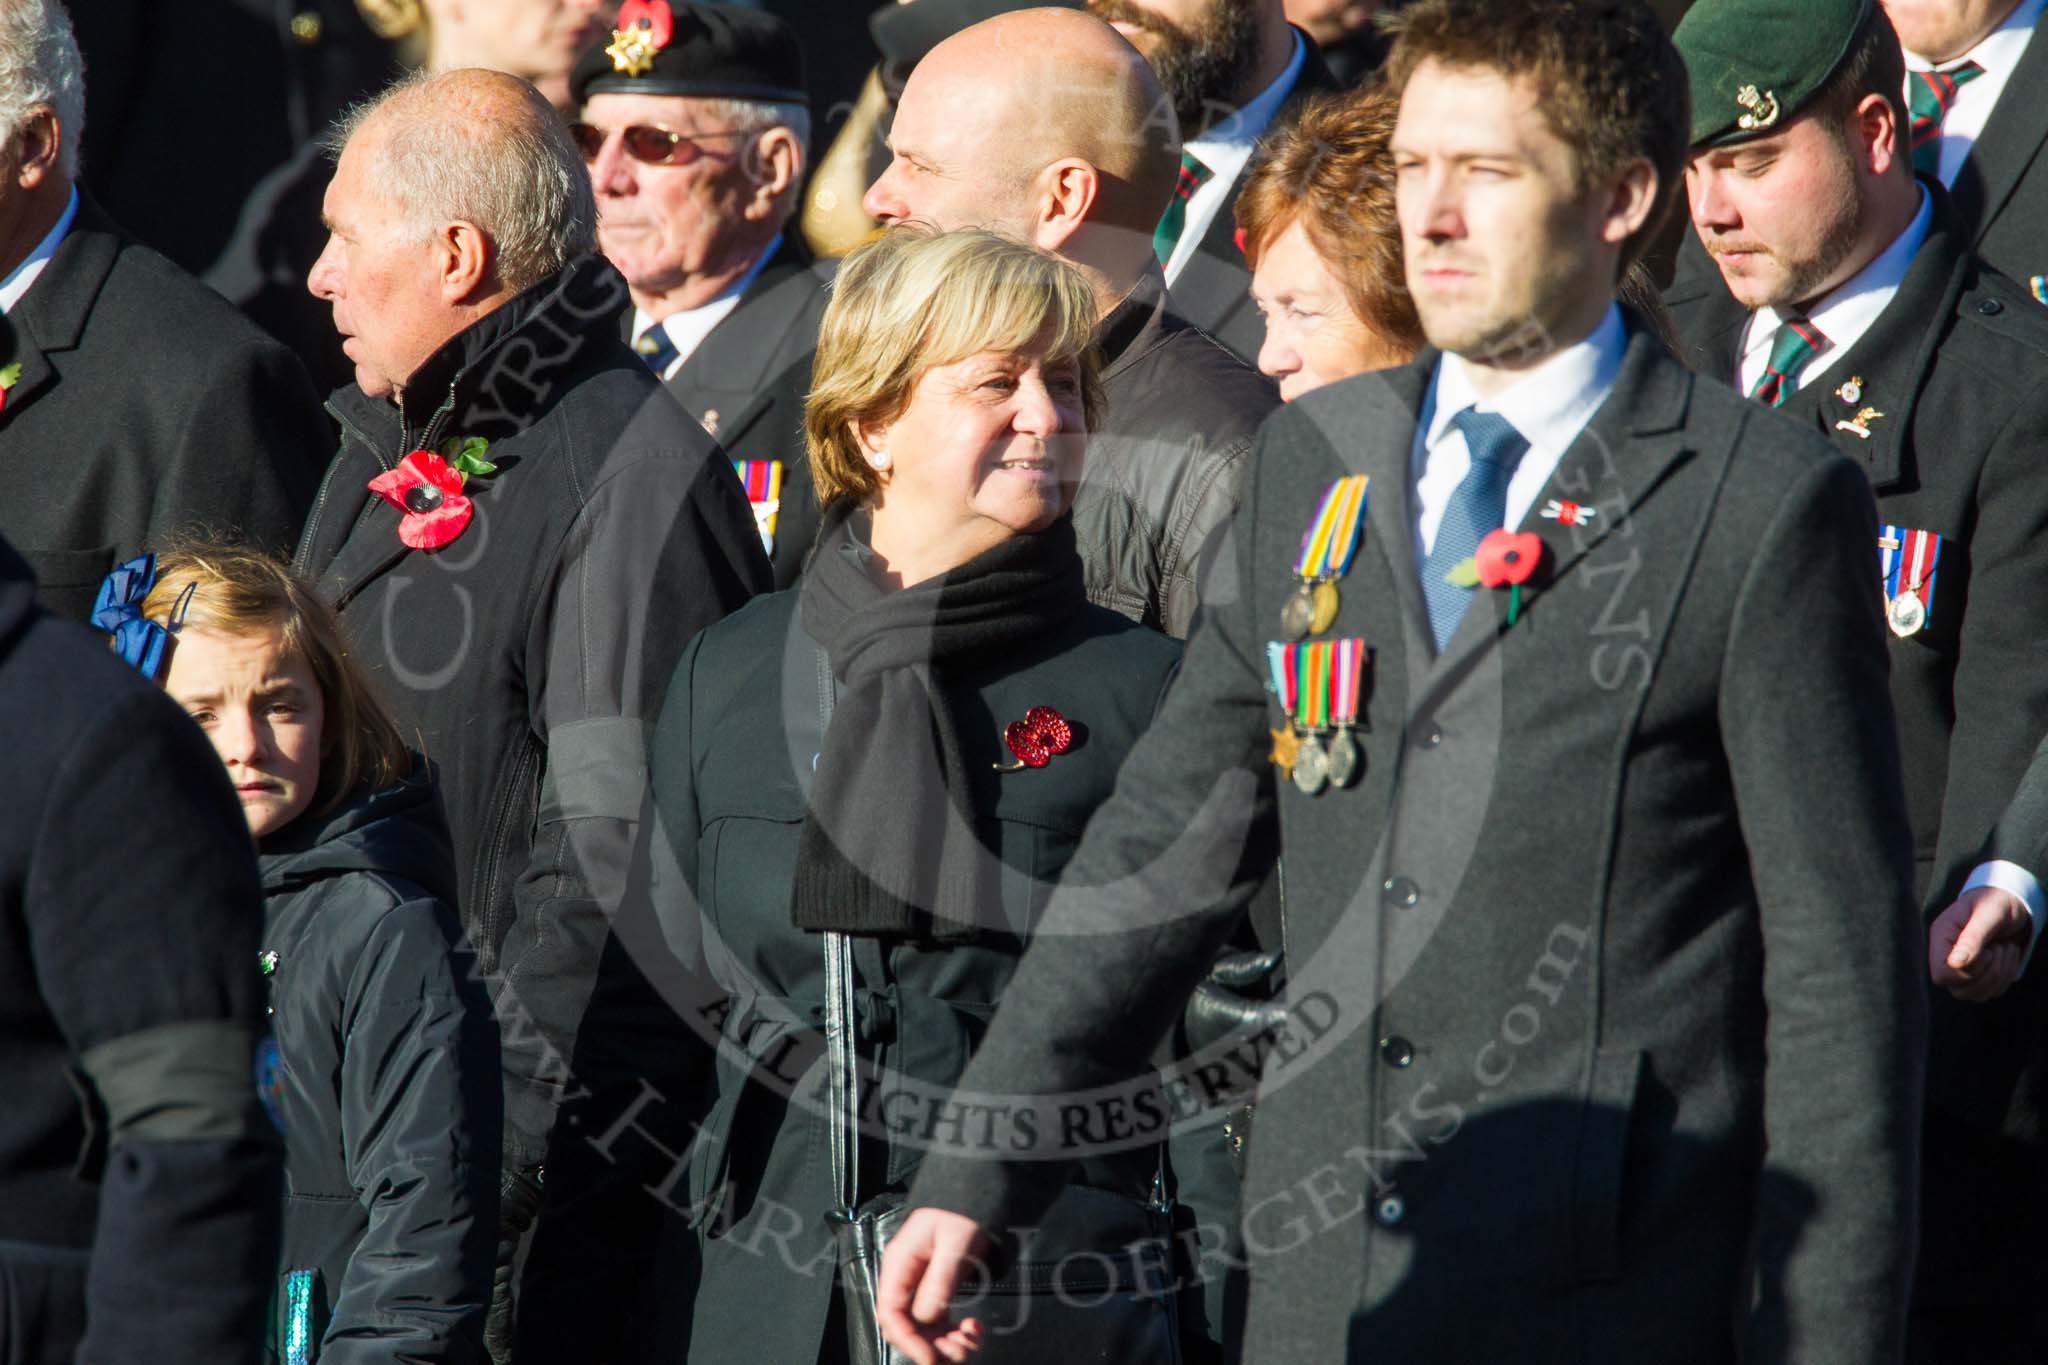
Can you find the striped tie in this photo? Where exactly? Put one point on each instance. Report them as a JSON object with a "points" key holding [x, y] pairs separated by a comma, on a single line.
{"points": [[655, 347], [1193, 175], [1929, 97], [1477, 505], [1797, 342]]}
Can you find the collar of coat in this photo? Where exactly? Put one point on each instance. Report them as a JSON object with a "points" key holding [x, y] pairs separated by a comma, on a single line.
{"points": [[501, 373]]}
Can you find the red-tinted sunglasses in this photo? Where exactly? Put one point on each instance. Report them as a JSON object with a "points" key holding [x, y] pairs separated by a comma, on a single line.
{"points": [[645, 142]]}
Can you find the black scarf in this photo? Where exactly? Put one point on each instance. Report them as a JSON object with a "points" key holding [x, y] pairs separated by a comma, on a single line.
{"points": [[889, 843]]}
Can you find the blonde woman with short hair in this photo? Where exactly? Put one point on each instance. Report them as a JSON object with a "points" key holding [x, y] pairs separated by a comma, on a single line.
{"points": [[382, 1068], [901, 751]]}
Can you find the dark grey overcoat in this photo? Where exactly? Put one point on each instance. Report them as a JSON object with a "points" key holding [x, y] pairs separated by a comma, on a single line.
{"points": [[1606, 979]]}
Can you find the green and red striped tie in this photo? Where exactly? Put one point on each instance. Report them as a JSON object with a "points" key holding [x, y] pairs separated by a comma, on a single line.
{"points": [[1797, 342], [1193, 175], [1929, 97]]}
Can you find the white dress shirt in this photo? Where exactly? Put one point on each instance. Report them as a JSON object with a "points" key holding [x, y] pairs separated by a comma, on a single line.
{"points": [[687, 329], [1845, 313], [1998, 52], [1224, 147], [22, 276], [1549, 405]]}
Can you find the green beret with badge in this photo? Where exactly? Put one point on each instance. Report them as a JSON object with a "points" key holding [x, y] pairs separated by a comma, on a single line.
{"points": [[1754, 64]]}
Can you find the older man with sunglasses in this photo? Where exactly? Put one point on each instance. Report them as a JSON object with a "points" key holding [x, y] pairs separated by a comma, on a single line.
{"points": [[695, 125]]}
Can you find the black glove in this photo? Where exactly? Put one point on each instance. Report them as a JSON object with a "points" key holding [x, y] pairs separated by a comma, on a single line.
{"points": [[518, 1204], [1237, 996]]}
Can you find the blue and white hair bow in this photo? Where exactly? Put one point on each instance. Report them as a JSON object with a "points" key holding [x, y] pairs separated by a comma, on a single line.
{"points": [[118, 611]]}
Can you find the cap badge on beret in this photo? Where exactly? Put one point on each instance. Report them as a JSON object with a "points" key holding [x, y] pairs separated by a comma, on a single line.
{"points": [[1763, 109], [645, 26]]}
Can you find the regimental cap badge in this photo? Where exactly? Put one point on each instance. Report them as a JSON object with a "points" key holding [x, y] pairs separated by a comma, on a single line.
{"points": [[645, 27], [1762, 109]]}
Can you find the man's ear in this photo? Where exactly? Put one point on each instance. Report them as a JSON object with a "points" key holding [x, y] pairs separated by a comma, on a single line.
{"points": [[463, 256], [774, 165], [1064, 194], [1631, 202], [36, 145], [1879, 140]]}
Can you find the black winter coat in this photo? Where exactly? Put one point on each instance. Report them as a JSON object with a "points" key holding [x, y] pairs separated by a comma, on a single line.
{"points": [[730, 772], [138, 1176], [388, 1086], [145, 406], [530, 653]]}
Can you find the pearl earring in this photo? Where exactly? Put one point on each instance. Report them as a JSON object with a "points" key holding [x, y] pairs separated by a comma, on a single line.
{"points": [[880, 460]]}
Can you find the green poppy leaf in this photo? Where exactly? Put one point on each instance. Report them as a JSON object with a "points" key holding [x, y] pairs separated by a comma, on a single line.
{"points": [[1464, 573], [10, 373]]}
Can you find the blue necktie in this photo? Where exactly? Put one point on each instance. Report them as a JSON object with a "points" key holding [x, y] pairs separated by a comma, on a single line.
{"points": [[1477, 505], [656, 349]]}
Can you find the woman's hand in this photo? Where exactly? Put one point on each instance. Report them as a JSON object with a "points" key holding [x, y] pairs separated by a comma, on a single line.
{"points": [[919, 1271]]}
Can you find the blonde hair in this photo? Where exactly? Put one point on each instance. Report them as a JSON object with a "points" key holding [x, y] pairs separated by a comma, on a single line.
{"points": [[237, 590], [910, 300]]}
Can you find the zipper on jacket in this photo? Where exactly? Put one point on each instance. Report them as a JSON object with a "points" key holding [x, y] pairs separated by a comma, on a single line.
{"points": [[350, 432], [406, 445]]}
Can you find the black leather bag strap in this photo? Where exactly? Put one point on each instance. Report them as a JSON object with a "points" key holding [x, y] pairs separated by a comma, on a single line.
{"points": [[840, 1033]]}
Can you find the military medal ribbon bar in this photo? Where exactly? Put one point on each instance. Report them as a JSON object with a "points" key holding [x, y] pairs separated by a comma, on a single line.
{"points": [[1908, 559], [1349, 682], [1327, 546]]}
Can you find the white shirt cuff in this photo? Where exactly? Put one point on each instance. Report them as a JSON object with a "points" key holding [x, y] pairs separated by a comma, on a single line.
{"points": [[2016, 879]]}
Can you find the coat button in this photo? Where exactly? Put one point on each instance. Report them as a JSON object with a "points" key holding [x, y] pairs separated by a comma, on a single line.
{"points": [[1401, 892], [1396, 1051], [1990, 308], [1391, 1209], [1429, 736]]}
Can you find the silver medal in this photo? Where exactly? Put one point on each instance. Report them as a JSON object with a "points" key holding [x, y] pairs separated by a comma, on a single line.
{"points": [[1907, 614], [1298, 613], [1311, 767], [1343, 758]]}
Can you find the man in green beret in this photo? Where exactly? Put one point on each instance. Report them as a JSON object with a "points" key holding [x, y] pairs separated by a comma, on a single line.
{"points": [[1834, 284]]}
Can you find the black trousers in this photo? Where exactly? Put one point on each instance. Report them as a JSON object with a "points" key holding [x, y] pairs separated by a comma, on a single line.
{"points": [[42, 1303]]}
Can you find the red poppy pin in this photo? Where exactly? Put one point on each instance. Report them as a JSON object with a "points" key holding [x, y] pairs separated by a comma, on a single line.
{"points": [[1504, 559], [1035, 739], [427, 489]]}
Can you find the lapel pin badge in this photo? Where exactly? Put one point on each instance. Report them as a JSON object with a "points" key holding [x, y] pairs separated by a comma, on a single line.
{"points": [[1859, 425]]}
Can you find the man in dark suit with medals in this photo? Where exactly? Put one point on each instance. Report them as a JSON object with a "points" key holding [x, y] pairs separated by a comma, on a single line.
{"points": [[1853, 302], [1974, 71], [1231, 68], [1605, 999], [697, 138]]}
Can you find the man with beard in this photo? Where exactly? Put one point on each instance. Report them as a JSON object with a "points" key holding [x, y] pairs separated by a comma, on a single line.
{"points": [[1230, 67], [1044, 125], [1605, 992], [1849, 297]]}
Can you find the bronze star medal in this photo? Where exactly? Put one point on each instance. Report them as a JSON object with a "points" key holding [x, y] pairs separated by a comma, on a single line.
{"points": [[1286, 748]]}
